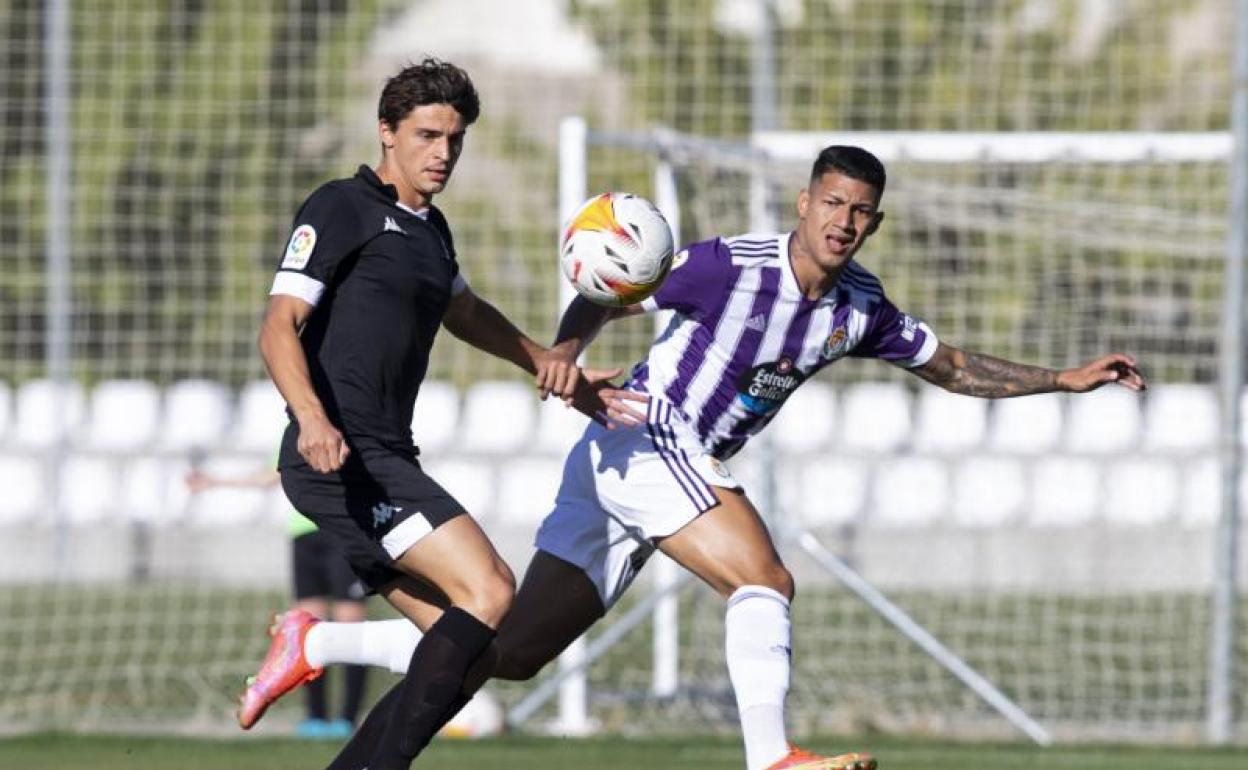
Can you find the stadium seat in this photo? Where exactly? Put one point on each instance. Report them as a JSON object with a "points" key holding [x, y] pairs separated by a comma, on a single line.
{"points": [[1065, 492], [949, 422], [526, 491], [988, 491], [42, 406], [435, 416], [260, 418], [89, 489], [469, 482], [1141, 491], [276, 508], [6, 411], [1181, 418], [1103, 421], [1028, 425], [558, 426], [498, 417], [196, 415], [833, 491], [153, 490], [875, 417], [909, 491], [123, 415], [22, 479], [1200, 500], [806, 421]]}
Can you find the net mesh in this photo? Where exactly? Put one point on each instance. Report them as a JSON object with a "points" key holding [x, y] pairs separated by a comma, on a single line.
{"points": [[197, 128]]}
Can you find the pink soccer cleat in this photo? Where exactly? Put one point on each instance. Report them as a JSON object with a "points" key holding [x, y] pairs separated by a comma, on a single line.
{"points": [[284, 666], [797, 759]]}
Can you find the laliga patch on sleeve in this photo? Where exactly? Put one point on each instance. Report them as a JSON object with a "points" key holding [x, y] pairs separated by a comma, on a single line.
{"points": [[299, 250]]}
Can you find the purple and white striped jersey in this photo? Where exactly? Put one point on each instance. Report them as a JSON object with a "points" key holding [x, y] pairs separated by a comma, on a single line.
{"points": [[743, 337]]}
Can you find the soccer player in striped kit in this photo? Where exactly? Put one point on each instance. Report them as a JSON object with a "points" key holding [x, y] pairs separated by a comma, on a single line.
{"points": [[755, 316]]}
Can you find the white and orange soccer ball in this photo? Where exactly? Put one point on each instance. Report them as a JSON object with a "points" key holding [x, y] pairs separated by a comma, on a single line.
{"points": [[617, 249], [481, 717]]}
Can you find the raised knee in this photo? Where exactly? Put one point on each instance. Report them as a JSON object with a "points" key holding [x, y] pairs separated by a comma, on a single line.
{"points": [[518, 666], [490, 599]]}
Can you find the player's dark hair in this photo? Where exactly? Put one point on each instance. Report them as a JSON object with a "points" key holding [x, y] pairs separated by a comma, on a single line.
{"points": [[433, 81], [853, 162]]}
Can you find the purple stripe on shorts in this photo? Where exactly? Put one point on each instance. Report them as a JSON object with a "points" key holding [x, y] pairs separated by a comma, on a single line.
{"points": [[681, 460], [690, 483]]}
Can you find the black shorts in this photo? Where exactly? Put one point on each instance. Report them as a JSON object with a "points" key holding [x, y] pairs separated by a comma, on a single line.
{"points": [[375, 507], [320, 570]]}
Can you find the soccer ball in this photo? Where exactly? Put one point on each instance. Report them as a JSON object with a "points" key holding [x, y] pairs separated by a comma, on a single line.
{"points": [[616, 249], [481, 717]]}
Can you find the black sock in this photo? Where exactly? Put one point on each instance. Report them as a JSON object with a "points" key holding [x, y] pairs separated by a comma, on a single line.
{"points": [[314, 697], [433, 685], [363, 743], [353, 691]]}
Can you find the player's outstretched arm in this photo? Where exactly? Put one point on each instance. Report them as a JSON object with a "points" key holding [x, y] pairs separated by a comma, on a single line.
{"points": [[481, 325], [976, 374]]}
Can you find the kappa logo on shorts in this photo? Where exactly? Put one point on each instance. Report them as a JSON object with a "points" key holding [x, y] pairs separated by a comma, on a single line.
{"points": [[383, 513]]}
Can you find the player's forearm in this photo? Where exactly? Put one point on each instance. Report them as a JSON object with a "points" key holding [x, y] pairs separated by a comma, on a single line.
{"points": [[288, 367], [976, 374], [485, 328], [581, 322]]}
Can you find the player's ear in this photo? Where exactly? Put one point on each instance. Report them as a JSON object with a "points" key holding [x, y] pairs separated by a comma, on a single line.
{"points": [[875, 222], [386, 134], [803, 202]]}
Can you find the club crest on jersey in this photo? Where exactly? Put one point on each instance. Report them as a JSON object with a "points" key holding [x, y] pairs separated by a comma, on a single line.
{"points": [[681, 258], [836, 345], [299, 250], [764, 388]]}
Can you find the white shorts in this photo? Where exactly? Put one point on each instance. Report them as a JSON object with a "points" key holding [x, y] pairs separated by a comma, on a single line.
{"points": [[624, 488]]}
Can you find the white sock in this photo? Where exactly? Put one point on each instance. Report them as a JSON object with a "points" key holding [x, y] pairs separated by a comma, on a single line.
{"points": [[383, 643], [757, 644]]}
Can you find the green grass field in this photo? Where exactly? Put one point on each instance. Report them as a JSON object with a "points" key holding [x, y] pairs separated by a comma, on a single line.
{"points": [[71, 752]]}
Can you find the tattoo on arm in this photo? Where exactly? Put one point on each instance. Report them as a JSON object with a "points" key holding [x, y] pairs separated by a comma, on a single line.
{"points": [[988, 377]]}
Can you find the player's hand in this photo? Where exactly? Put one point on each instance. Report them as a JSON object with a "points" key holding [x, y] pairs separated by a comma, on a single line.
{"points": [[1115, 367], [620, 407], [558, 373], [321, 444], [604, 403]]}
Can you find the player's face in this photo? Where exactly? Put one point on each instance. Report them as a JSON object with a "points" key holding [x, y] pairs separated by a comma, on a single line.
{"points": [[836, 213], [421, 151]]}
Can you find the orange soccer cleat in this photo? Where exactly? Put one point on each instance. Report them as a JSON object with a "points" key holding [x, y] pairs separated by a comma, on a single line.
{"points": [[797, 759], [284, 667]]}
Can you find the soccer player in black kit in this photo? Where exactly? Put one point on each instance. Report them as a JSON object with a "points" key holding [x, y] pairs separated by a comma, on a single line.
{"points": [[368, 276]]}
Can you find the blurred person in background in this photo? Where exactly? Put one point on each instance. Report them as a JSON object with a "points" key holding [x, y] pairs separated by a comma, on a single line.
{"points": [[323, 586]]}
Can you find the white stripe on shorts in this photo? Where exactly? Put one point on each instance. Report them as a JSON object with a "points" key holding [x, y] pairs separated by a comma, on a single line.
{"points": [[407, 534]]}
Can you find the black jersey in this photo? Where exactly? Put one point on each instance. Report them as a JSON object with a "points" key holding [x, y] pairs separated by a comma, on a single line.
{"points": [[380, 277]]}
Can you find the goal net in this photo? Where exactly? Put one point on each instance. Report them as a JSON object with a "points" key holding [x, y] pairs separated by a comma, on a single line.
{"points": [[1060, 546]]}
